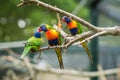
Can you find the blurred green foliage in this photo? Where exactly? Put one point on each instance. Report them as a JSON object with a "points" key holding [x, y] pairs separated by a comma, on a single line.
{"points": [[19, 23]]}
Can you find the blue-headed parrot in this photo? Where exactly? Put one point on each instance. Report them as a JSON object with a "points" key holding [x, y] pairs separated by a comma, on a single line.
{"points": [[54, 39], [75, 28], [33, 44]]}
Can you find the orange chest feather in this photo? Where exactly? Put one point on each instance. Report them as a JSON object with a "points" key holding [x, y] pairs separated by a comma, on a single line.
{"points": [[51, 34], [72, 24]]}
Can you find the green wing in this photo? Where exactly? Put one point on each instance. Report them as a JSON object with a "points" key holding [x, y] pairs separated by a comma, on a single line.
{"points": [[59, 52], [60, 39], [80, 30], [33, 43], [26, 50], [84, 45], [36, 43]]}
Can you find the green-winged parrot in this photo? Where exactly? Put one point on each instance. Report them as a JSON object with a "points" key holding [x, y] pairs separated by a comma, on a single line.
{"points": [[75, 28], [33, 44], [54, 39]]}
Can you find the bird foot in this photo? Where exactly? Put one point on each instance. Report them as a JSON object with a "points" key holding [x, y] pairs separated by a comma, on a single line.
{"points": [[65, 50], [38, 58]]}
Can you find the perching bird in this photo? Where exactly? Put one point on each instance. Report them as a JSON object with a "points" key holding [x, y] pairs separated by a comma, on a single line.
{"points": [[75, 28], [54, 39], [33, 44]]}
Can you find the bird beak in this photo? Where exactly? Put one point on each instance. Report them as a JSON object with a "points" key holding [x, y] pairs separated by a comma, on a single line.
{"points": [[39, 30], [63, 20]]}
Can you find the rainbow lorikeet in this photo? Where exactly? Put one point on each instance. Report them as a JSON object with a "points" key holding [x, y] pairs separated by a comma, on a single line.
{"points": [[54, 39], [33, 44], [75, 28]]}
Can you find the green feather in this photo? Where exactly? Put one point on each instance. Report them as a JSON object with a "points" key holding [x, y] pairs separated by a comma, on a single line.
{"points": [[26, 50], [59, 52], [33, 43], [84, 45], [79, 28], [60, 39]]}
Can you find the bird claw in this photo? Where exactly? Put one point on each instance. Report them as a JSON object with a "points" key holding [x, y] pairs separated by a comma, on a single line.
{"points": [[65, 50], [38, 58], [48, 47]]}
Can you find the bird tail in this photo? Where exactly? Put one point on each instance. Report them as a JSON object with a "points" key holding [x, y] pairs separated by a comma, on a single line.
{"points": [[84, 45], [26, 50], [59, 56]]}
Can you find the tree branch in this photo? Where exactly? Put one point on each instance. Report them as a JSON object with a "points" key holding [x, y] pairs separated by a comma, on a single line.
{"points": [[115, 31], [55, 9], [93, 36], [71, 40]]}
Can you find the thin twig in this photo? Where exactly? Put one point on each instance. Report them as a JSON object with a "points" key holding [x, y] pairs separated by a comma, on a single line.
{"points": [[59, 21]]}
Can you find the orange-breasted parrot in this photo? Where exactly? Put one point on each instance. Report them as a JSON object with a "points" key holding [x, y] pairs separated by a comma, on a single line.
{"points": [[33, 44], [54, 39], [75, 28]]}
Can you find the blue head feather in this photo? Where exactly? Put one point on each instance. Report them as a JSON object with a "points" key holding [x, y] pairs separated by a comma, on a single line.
{"points": [[43, 27], [66, 19], [37, 34]]}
